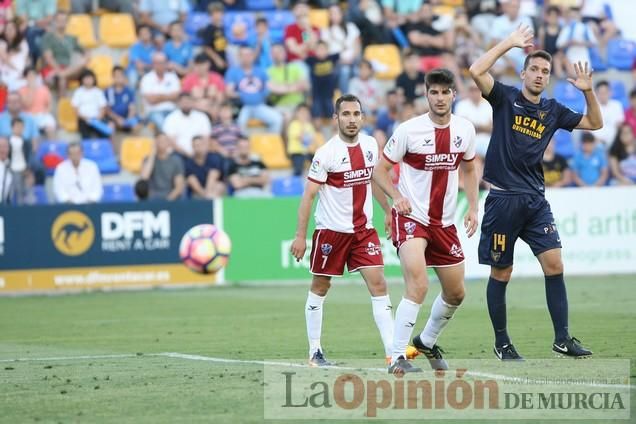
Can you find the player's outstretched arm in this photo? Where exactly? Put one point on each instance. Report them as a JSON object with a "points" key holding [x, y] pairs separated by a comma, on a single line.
{"points": [[299, 245], [382, 178], [521, 37], [471, 188], [593, 119]]}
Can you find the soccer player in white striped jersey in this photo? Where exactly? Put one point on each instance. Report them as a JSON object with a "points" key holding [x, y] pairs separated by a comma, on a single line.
{"points": [[429, 149], [340, 174]]}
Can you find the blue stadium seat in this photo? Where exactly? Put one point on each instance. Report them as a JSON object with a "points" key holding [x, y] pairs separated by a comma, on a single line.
{"points": [[621, 54], [278, 20], [564, 144], [39, 195], [597, 61], [196, 21], [50, 153], [288, 186], [101, 151], [569, 95], [232, 18], [260, 5], [118, 193], [619, 92]]}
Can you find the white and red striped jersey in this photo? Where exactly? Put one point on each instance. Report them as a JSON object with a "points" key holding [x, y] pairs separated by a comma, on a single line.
{"points": [[429, 155], [345, 202]]}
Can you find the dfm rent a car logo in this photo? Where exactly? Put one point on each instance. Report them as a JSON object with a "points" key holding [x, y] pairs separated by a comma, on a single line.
{"points": [[72, 233], [135, 230]]}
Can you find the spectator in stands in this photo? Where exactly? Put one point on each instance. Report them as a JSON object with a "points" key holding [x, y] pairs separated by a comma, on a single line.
{"points": [[225, 134], [343, 39], [15, 110], [322, 71], [117, 6], [400, 10], [367, 16], [35, 17], [142, 190], [612, 111], [121, 110], [502, 26], [14, 55], [206, 87], [248, 84], [159, 89], [387, 116], [301, 37], [37, 101], [76, 179], [589, 164], [184, 123], [478, 111], [468, 44], [622, 156], [90, 104], [6, 12], [7, 188], [263, 44], [575, 39], [247, 175], [547, 39], [481, 14], [366, 87], [178, 50], [556, 172], [19, 159], [427, 40], [301, 139], [140, 55], [58, 48], [410, 83], [287, 82], [204, 171], [214, 41], [164, 171], [159, 14], [630, 112], [594, 14]]}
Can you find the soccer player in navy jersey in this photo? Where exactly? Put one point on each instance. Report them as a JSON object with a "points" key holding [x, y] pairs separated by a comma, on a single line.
{"points": [[523, 124]]}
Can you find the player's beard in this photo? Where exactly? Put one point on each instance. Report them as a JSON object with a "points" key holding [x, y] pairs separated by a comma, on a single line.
{"points": [[348, 134]]}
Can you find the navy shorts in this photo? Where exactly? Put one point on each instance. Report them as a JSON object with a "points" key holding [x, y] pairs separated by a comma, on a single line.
{"points": [[508, 216], [322, 107]]}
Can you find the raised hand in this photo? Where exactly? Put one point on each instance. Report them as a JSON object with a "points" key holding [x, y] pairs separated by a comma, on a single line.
{"points": [[522, 37], [583, 79]]}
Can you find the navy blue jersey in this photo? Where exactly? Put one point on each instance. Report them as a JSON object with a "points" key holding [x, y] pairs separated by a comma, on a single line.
{"points": [[520, 134]]}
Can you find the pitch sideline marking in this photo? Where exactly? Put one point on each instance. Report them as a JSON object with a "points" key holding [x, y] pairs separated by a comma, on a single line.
{"points": [[190, 357]]}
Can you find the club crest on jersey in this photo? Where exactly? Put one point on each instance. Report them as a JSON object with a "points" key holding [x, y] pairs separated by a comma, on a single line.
{"points": [[458, 141], [542, 114], [409, 227], [315, 165], [325, 248], [369, 156], [389, 145]]}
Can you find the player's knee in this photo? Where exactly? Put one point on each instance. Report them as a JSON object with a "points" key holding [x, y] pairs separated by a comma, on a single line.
{"points": [[553, 267], [501, 274], [455, 297], [320, 286]]}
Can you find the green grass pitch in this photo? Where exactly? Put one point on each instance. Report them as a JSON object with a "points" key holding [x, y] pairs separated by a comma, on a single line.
{"points": [[249, 323]]}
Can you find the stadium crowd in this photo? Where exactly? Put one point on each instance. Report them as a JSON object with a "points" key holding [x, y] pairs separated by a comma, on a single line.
{"points": [[204, 99]]}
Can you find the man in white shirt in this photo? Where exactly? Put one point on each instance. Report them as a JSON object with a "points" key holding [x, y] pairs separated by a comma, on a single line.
{"points": [[159, 89], [501, 27], [183, 124], [575, 39], [77, 180], [612, 111], [479, 112], [6, 176]]}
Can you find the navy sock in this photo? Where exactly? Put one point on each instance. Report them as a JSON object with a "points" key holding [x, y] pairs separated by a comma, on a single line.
{"points": [[496, 296], [557, 300]]}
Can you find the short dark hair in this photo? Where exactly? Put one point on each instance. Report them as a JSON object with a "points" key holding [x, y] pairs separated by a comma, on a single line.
{"points": [[441, 76], [602, 83], [201, 58], [88, 73], [632, 93], [261, 20], [537, 53], [118, 68], [142, 189], [347, 98], [28, 70], [17, 121], [553, 9], [587, 137], [72, 144]]}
